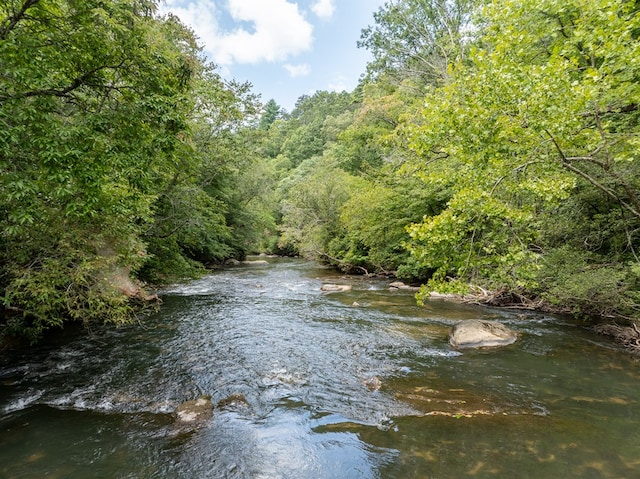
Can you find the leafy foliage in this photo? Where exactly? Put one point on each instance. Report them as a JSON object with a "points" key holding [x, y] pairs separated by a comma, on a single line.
{"points": [[272, 111], [108, 115], [494, 144], [414, 42], [541, 120]]}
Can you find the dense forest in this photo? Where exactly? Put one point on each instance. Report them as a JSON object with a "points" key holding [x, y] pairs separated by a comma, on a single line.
{"points": [[491, 148]]}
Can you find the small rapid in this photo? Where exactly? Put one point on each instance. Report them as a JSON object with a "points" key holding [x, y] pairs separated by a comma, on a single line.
{"points": [[354, 384]]}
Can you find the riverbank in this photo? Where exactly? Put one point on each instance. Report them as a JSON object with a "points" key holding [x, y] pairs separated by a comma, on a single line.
{"points": [[623, 331]]}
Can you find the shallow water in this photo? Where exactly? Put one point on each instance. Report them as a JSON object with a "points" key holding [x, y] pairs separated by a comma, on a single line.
{"points": [[333, 390]]}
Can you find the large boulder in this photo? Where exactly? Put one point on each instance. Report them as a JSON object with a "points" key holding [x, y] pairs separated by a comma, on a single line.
{"points": [[476, 333]]}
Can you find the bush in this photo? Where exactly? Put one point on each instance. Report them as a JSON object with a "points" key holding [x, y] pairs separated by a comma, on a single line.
{"points": [[582, 284]]}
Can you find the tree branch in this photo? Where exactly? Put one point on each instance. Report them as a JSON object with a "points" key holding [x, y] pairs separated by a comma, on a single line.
{"points": [[566, 162], [10, 22], [75, 84]]}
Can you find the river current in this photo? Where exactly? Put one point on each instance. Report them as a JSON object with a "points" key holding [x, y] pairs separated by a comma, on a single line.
{"points": [[356, 384]]}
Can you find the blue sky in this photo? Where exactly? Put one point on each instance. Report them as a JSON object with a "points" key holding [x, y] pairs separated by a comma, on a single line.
{"points": [[285, 48]]}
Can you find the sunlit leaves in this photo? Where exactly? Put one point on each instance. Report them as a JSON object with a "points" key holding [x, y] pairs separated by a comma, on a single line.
{"points": [[547, 103]]}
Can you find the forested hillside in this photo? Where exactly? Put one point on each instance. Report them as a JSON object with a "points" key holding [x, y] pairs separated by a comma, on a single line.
{"points": [[491, 146]]}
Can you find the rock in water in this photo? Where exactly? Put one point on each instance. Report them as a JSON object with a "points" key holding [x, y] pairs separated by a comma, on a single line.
{"points": [[373, 383], [401, 285], [478, 333], [195, 411], [234, 401], [335, 288]]}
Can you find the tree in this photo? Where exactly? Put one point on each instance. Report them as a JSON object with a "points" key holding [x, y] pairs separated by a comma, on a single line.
{"points": [[311, 208], [545, 116], [307, 131], [414, 42], [99, 105], [196, 208], [272, 111]]}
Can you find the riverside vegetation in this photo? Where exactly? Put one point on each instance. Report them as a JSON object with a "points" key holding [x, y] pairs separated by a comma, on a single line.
{"points": [[491, 147]]}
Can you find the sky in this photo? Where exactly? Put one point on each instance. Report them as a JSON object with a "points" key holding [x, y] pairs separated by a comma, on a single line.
{"points": [[285, 48]]}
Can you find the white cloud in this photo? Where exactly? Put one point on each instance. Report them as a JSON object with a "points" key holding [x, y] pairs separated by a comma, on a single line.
{"points": [[323, 8], [300, 70], [339, 84], [277, 29]]}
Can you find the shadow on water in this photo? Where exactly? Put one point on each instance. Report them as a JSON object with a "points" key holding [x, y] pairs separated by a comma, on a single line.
{"points": [[357, 384]]}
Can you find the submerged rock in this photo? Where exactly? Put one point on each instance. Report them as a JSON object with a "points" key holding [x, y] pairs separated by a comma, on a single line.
{"points": [[478, 333], [335, 288], [234, 401], [401, 285], [195, 411], [373, 383]]}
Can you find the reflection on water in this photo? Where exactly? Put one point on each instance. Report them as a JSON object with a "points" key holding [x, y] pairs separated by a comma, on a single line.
{"points": [[358, 384]]}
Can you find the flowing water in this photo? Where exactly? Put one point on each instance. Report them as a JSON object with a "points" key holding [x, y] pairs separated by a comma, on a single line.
{"points": [[324, 388]]}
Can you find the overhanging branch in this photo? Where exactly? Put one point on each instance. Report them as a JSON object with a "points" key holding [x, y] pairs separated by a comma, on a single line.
{"points": [[566, 162], [61, 92]]}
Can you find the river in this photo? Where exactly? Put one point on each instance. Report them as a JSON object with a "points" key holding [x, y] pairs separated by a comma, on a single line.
{"points": [[357, 384]]}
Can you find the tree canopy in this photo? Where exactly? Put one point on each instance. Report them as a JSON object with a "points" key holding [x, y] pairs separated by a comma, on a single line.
{"points": [[108, 114], [494, 147]]}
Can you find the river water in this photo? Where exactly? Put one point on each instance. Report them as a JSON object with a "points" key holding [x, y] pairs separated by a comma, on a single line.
{"points": [[326, 389]]}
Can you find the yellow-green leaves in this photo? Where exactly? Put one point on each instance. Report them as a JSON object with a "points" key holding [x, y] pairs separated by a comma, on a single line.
{"points": [[546, 105]]}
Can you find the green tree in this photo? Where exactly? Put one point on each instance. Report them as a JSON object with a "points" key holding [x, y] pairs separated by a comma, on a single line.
{"points": [[99, 102], [314, 109], [311, 208], [196, 211], [544, 117], [78, 122], [414, 42], [272, 111]]}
